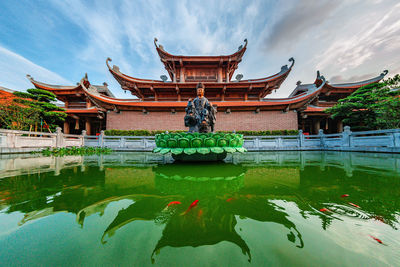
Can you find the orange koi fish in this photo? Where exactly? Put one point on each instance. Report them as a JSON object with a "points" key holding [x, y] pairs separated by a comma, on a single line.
{"points": [[173, 203], [194, 203], [354, 205], [199, 214], [376, 239], [230, 199], [344, 195], [325, 210]]}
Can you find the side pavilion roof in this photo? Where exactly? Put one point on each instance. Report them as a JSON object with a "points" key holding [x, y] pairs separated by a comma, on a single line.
{"points": [[342, 88]]}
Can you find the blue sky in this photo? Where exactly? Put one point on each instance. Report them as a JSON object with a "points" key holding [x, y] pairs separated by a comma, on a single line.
{"points": [[58, 41]]}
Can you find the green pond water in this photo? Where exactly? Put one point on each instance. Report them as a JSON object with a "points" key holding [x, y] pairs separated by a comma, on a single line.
{"points": [[256, 209]]}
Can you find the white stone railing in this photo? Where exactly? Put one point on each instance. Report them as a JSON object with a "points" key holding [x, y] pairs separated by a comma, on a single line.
{"points": [[14, 140], [139, 143], [366, 141]]}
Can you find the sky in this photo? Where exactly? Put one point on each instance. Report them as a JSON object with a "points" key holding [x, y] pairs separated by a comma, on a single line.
{"points": [[57, 42]]}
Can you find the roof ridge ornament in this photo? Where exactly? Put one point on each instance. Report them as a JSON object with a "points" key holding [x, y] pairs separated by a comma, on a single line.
{"points": [[318, 75], [108, 60], [114, 68], [291, 60], [241, 46], [384, 72]]}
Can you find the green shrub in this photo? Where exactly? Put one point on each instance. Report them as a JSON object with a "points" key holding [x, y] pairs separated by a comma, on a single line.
{"points": [[178, 134]]}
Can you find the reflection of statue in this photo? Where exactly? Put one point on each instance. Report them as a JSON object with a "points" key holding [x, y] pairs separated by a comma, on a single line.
{"points": [[200, 114]]}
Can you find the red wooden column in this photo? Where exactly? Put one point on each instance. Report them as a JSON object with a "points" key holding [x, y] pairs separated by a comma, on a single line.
{"points": [[66, 127], [316, 125], [88, 127]]}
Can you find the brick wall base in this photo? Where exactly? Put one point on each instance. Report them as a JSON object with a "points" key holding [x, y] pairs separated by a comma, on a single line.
{"points": [[239, 121]]}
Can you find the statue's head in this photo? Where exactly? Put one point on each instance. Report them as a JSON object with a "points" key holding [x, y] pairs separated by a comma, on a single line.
{"points": [[200, 90]]}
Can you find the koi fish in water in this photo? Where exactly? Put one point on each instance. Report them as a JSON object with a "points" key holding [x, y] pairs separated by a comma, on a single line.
{"points": [[344, 195], [194, 203], [173, 203], [354, 205], [230, 199], [199, 214], [325, 210], [376, 239]]}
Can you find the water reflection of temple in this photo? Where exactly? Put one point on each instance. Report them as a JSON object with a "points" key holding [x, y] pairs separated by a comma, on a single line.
{"points": [[87, 185]]}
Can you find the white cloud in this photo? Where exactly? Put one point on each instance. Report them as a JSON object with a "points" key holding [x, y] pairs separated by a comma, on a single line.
{"points": [[14, 68], [344, 39]]}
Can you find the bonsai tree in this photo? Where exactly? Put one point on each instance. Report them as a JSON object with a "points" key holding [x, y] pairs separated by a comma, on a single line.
{"points": [[18, 117], [374, 106], [50, 114]]}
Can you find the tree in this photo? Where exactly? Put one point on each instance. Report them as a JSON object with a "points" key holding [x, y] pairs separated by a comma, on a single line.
{"points": [[50, 114], [18, 117], [374, 106], [388, 109]]}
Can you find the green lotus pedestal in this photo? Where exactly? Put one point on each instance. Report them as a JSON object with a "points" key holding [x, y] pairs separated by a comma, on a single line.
{"points": [[199, 146]]}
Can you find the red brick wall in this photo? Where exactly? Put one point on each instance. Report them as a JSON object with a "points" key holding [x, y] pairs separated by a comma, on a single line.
{"points": [[243, 120]]}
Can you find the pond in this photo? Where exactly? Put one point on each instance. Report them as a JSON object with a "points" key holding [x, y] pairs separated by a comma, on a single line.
{"points": [[257, 209]]}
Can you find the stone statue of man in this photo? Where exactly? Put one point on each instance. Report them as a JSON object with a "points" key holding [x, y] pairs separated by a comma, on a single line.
{"points": [[200, 114]]}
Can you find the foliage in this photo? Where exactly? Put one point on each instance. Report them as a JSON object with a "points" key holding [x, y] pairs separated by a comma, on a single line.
{"points": [[262, 133], [64, 151], [135, 132], [18, 117], [152, 133], [40, 100], [374, 106]]}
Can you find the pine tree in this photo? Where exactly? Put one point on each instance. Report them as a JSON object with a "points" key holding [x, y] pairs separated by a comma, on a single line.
{"points": [[50, 115], [374, 106]]}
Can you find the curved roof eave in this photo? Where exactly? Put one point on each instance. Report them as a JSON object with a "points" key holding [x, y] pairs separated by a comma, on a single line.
{"points": [[51, 87], [302, 98], [118, 74], [354, 85]]}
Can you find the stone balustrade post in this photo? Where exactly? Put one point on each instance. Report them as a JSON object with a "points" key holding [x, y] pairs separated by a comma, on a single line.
{"points": [[396, 138], [144, 143], [122, 141], [11, 139], [301, 138], [59, 138], [279, 142], [83, 134], [101, 136], [257, 143], [321, 138], [346, 137]]}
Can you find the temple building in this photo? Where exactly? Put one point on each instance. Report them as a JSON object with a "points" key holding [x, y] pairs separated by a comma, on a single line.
{"points": [[241, 104]]}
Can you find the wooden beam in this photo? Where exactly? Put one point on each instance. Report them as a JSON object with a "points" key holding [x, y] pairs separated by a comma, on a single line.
{"points": [[154, 92], [174, 70], [178, 92], [138, 91]]}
